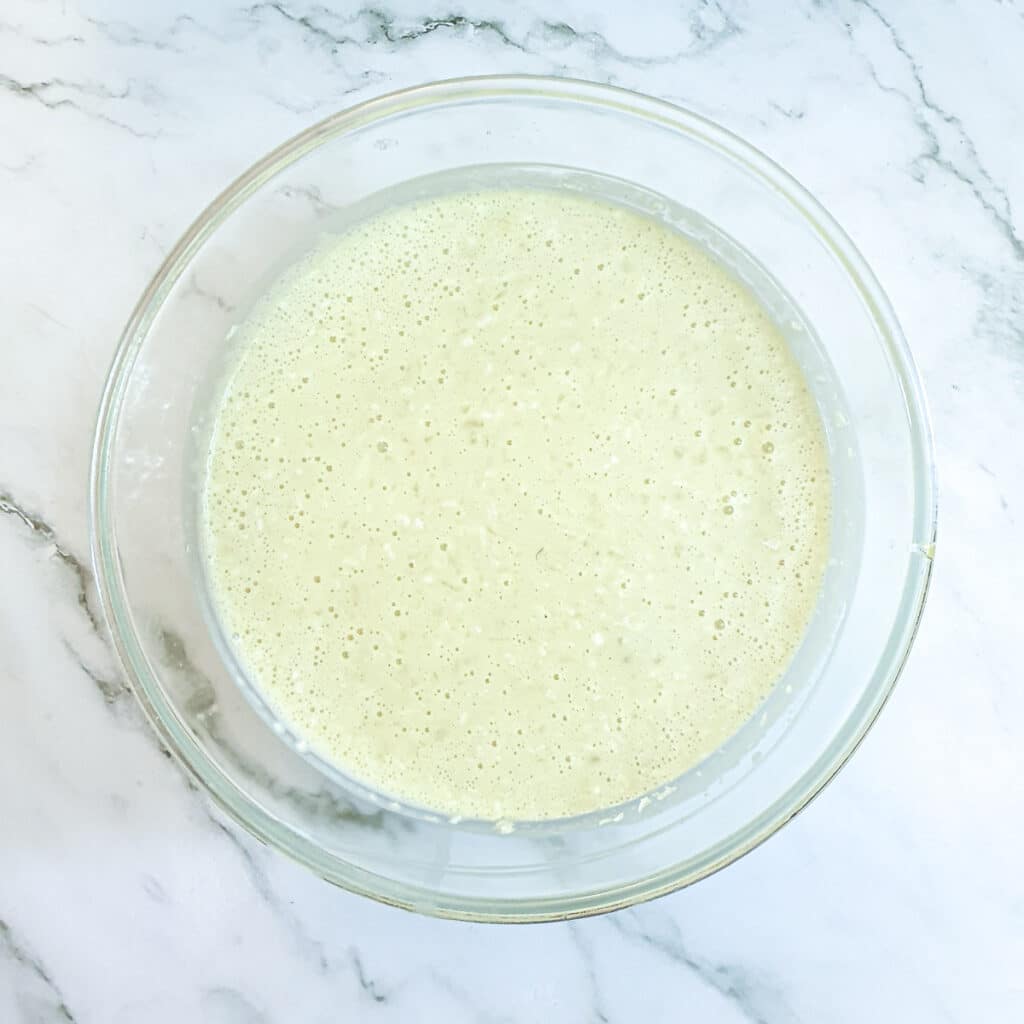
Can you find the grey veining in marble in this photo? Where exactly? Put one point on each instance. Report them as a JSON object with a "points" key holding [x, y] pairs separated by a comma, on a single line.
{"points": [[124, 897]]}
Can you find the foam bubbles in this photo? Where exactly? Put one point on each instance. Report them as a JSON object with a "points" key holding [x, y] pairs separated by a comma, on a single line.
{"points": [[517, 503]]}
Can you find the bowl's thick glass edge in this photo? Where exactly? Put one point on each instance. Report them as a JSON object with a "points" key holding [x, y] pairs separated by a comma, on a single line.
{"points": [[227, 796]]}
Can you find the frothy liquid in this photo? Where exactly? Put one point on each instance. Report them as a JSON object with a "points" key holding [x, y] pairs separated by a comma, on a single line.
{"points": [[517, 503]]}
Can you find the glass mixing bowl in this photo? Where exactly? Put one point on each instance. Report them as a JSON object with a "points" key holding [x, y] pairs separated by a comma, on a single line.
{"points": [[149, 451]]}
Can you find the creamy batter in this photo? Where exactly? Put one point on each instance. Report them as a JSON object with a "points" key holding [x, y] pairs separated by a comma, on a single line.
{"points": [[516, 504]]}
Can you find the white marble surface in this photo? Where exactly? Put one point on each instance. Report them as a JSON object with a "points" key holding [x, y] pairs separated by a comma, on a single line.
{"points": [[124, 898]]}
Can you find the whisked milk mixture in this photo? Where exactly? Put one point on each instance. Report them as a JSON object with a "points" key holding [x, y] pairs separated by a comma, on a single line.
{"points": [[516, 503]]}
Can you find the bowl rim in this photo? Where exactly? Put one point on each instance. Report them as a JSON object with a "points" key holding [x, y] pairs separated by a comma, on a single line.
{"points": [[103, 547]]}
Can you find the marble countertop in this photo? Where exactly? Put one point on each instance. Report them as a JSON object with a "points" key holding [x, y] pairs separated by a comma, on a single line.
{"points": [[124, 897]]}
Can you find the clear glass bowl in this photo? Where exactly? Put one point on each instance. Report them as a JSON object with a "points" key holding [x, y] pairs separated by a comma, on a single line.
{"points": [[149, 443]]}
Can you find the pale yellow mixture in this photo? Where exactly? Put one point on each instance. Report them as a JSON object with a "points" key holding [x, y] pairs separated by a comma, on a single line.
{"points": [[517, 503]]}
